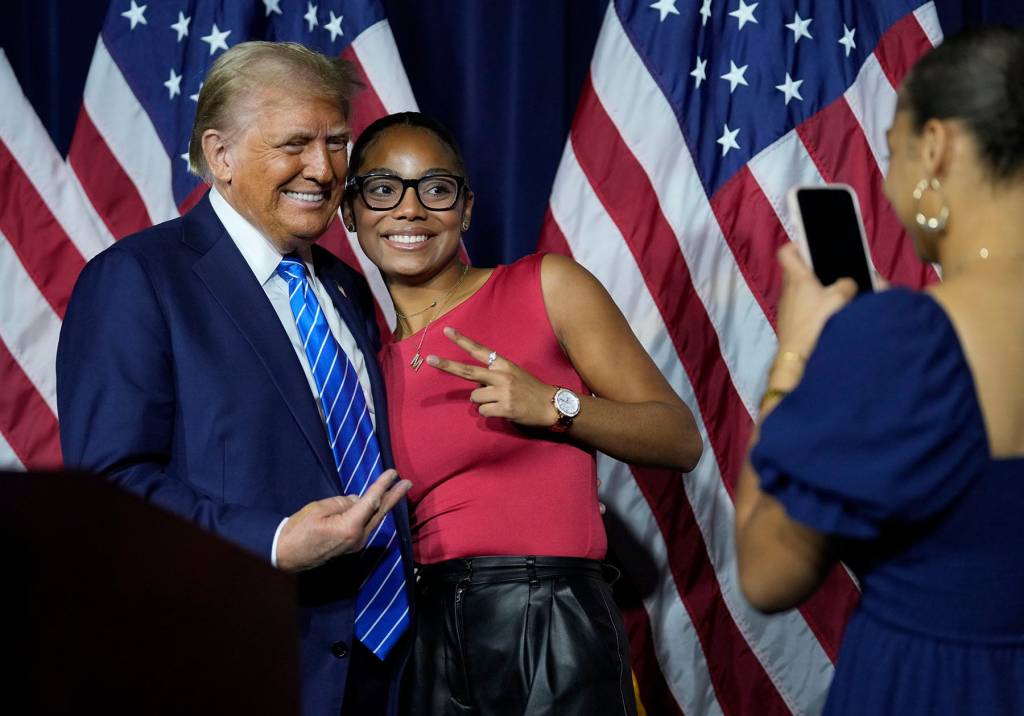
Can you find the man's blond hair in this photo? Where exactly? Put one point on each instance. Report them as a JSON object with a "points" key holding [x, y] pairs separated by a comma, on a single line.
{"points": [[239, 74]]}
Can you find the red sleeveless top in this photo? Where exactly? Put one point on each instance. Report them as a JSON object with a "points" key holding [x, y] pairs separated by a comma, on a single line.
{"points": [[482, 486]]}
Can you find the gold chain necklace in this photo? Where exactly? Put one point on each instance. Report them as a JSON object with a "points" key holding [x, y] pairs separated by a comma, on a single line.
{"points": [[417, 361], [407, 316]]}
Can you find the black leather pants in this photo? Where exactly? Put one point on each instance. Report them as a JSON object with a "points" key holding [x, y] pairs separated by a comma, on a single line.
{"points": [[503, 636]]}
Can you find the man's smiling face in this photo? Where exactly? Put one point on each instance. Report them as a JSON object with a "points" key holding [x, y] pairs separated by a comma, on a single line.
{"points": [[287, 166]]}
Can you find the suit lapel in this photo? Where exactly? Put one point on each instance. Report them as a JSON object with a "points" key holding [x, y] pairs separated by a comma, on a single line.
{"points": [[228, 277]]}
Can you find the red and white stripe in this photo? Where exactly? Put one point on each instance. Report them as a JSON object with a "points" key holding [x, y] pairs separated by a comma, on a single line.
{"points": [[46, 235], [697, 280], [117, 154]]}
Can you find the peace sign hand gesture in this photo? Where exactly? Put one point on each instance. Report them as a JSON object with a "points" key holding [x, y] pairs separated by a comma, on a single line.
{"points": [[505, 390]]}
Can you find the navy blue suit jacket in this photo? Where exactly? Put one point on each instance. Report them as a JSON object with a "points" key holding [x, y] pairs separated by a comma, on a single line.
{"points": [[176, 379]]}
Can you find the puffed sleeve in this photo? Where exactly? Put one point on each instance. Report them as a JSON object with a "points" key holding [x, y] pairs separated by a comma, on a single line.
{"points": [[885, 425]]}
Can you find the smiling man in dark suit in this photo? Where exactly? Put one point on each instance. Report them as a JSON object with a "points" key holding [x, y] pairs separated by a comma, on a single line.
{"points": [[223, 366]]}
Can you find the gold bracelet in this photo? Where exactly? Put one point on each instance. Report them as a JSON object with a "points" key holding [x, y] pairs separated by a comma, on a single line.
{"points": [[793, 356], [773, 394]]}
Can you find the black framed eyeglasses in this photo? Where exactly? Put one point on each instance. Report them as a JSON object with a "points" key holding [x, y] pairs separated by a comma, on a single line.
{"points": [[383, 192]]}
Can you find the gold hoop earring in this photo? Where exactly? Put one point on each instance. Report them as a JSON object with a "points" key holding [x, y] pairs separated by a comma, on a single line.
{"points": [[931, 224], [465, 226]]}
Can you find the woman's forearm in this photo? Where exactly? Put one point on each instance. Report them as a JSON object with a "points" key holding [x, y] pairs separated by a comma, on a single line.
{"points": [[652, 433]]}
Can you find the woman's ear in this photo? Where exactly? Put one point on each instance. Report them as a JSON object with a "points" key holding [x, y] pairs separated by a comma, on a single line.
{"points": [[347, 216], [467, 211], [216, 149], [936, 146]]}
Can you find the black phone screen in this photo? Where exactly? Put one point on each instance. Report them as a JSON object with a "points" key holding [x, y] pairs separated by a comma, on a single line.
{"points": [[833, 236]]}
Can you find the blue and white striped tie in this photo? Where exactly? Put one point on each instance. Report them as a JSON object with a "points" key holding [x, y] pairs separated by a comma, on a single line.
{"points": [[382, 605]]}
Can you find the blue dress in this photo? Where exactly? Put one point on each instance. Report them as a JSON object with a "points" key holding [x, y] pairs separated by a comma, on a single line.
{"points": [[882, 447]]}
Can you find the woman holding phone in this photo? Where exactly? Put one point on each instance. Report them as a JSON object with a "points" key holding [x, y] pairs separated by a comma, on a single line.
{"points": [[892, 429], [502, 383]]}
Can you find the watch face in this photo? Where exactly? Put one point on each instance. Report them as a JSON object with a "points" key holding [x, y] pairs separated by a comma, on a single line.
{"points": [[567, 402]]}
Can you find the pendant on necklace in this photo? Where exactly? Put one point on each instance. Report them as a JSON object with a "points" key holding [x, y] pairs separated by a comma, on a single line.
{"points": [[417, 361]]}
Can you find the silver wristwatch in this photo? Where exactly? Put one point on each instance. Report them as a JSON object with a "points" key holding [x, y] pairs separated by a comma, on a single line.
{"points": [[567, 404]]}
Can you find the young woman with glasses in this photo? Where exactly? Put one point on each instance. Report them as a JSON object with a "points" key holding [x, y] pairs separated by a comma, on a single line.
{"points": [[502, 384]]}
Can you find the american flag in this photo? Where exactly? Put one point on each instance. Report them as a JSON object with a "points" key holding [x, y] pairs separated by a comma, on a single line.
{"points": [[696, 118]]}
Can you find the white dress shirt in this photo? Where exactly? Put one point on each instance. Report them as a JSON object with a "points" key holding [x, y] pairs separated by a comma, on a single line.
{"points": [[263, 258]]}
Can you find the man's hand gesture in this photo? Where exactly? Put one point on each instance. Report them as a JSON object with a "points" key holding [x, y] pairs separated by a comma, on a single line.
{"points": [[337, 525]]}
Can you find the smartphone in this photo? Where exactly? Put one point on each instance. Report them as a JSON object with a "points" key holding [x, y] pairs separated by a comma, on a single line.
{"points": [[830, 233]]}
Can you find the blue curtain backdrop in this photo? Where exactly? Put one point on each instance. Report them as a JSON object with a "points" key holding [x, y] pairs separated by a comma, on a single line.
{"points": [[503, 76]]}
